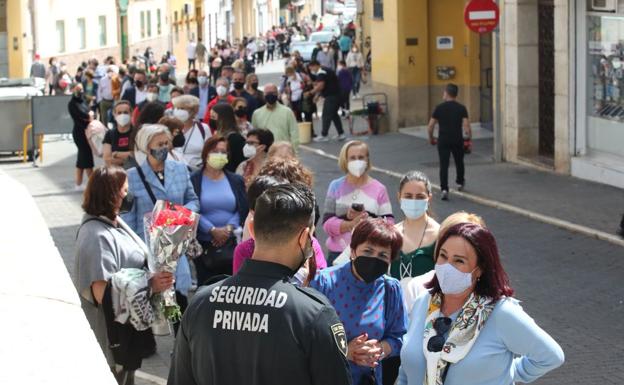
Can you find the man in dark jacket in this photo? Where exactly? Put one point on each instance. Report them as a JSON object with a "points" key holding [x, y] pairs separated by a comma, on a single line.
{"points": [[138, 92], [256, 327]]}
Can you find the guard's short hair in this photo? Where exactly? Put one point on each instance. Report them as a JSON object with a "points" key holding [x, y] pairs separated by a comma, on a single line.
{"points": [[282, 212]]}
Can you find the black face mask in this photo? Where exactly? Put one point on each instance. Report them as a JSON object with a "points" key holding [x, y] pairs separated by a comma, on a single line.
{"points": [[164, 77], [239, 85], [305, 255], [213, 124], [138, 83], [270, 98], [370, 268], [240, 112], [178, 140], [126, 203], [254, 85]]}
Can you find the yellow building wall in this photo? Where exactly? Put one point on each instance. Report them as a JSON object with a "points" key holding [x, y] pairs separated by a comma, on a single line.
{"points": [[18, 32], [405, 58], [385, 45], [180, 39]]}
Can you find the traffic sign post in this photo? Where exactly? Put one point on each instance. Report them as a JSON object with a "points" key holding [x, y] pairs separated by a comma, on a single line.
{"points": [[481, 16]]}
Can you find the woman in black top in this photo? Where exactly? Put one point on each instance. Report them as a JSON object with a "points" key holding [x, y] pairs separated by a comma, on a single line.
{"points": [[79, 112], [118, 142], [227, 128]]}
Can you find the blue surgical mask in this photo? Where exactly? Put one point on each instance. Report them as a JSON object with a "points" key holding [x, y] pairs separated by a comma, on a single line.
{"points": [[414, 208]]}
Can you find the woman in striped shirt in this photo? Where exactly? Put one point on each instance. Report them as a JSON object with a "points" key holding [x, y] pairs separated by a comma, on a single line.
{"points": [[352, 198]]}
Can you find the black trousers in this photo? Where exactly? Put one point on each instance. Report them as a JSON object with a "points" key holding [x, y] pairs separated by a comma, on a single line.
{"points": [[444, 152], [260, 57], [330, 114], [191, 63]]}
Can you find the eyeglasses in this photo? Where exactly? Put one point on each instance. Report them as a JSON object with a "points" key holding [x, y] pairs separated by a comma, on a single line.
{"points": [[441, 325]]}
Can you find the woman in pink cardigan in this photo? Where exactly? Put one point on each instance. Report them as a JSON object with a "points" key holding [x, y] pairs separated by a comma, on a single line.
{"points": [[352, 198]]}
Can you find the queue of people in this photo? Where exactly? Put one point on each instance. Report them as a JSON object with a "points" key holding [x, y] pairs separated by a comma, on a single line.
{"points": [[416, 302]]}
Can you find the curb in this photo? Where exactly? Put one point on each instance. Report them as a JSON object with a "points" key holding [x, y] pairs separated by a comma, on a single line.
{"points": [[150, 378], [563, 224]]}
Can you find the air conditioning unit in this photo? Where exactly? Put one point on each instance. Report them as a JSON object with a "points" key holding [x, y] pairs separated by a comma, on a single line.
{"points": [[604, 5]]}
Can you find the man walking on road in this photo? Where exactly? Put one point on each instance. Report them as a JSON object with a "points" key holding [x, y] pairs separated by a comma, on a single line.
{"points": [[256, 327], [452, 119], [326, 84]]}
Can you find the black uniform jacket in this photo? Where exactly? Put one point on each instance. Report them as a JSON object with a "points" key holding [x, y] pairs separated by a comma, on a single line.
{"points": [[256, 328]]}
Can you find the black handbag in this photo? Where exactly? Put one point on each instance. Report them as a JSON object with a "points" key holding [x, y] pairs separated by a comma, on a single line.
{"points": [[217, 257]]}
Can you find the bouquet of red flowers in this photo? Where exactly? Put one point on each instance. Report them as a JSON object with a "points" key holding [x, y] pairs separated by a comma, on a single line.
{"points": [[169, 230]]}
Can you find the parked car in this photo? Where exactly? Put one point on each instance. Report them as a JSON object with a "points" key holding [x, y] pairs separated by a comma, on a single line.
{"points": [[305, 48], [322, 37]]}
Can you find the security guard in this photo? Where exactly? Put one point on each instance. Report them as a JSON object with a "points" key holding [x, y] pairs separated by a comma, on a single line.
{"points": [[256, 328]]}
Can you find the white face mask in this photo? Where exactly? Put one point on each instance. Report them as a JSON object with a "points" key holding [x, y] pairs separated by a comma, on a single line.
{"points": [[451, 280], [249, 151], [181, 114], [357, 167], [414, 208], [221, 90], [202, 80], [151, 97], [122, 119]]}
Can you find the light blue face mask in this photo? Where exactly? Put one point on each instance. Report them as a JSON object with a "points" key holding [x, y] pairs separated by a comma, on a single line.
{"points": [[414, 208]]}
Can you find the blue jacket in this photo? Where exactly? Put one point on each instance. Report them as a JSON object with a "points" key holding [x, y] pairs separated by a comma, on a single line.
{"points": [[238, 188], [177, 189]]}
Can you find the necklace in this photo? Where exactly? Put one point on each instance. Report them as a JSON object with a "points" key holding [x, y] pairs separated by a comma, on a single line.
{"points": [[405, 269]]}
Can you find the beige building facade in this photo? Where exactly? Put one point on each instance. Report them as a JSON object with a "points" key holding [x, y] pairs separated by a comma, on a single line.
{"points": [[562, 87]]}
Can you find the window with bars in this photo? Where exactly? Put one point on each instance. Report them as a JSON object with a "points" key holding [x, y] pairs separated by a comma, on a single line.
{"points": [[158, 22], [149, 23], [60, 35], [378, 9], [102, 30], [82, 33], [142, 24]]}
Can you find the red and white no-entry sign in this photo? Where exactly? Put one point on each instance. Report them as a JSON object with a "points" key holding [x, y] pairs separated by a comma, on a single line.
{"points": [[481, 16]]}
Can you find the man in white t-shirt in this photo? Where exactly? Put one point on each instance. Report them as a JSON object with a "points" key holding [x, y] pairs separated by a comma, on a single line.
{"points": [[191, 53]]}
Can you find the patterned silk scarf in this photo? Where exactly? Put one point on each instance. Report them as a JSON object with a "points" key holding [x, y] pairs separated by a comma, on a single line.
{"points": [[462, 336]]}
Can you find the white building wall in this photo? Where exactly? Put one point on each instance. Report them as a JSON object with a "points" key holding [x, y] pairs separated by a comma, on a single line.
{"points": [[138, 42], [48, 12]]}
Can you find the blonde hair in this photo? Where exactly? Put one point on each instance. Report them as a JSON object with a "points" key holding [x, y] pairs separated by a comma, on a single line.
{"points": [[343, 157], [281, 145], [238, 64], [457, 218], [147, 133], [185, 101]]}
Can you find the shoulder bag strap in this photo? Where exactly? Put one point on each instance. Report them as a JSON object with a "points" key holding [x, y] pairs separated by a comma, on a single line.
{"points": [[147, 186]]}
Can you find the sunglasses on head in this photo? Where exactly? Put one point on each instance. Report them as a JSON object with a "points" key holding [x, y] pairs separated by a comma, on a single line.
{"points": [[441, 325]]}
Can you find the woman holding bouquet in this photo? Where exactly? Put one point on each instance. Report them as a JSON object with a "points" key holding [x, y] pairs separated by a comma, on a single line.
{"points": [[223, 209], [159, 178], [104, 246]]}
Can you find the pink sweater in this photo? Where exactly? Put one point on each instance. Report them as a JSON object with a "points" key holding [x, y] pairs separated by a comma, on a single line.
{"points": [[244, 250], [340, 196]]}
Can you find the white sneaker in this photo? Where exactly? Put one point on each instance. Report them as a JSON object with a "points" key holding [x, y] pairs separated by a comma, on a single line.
{"points": [[340, 137], [320, 139], [78, 187]]}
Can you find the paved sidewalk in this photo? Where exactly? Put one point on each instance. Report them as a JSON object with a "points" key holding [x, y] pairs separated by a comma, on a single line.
{"points": [[589, 204], [51, 185]]}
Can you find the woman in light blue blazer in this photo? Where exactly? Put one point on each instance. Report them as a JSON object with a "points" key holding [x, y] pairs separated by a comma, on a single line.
{"points": [[159, 178], [468, 329]]}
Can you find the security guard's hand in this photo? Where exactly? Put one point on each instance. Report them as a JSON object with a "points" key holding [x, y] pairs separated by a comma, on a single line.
{"points": [[161, 282]]}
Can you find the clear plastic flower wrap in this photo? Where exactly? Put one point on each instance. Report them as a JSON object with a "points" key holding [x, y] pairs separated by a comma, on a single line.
{"points": [[169, 230]]}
